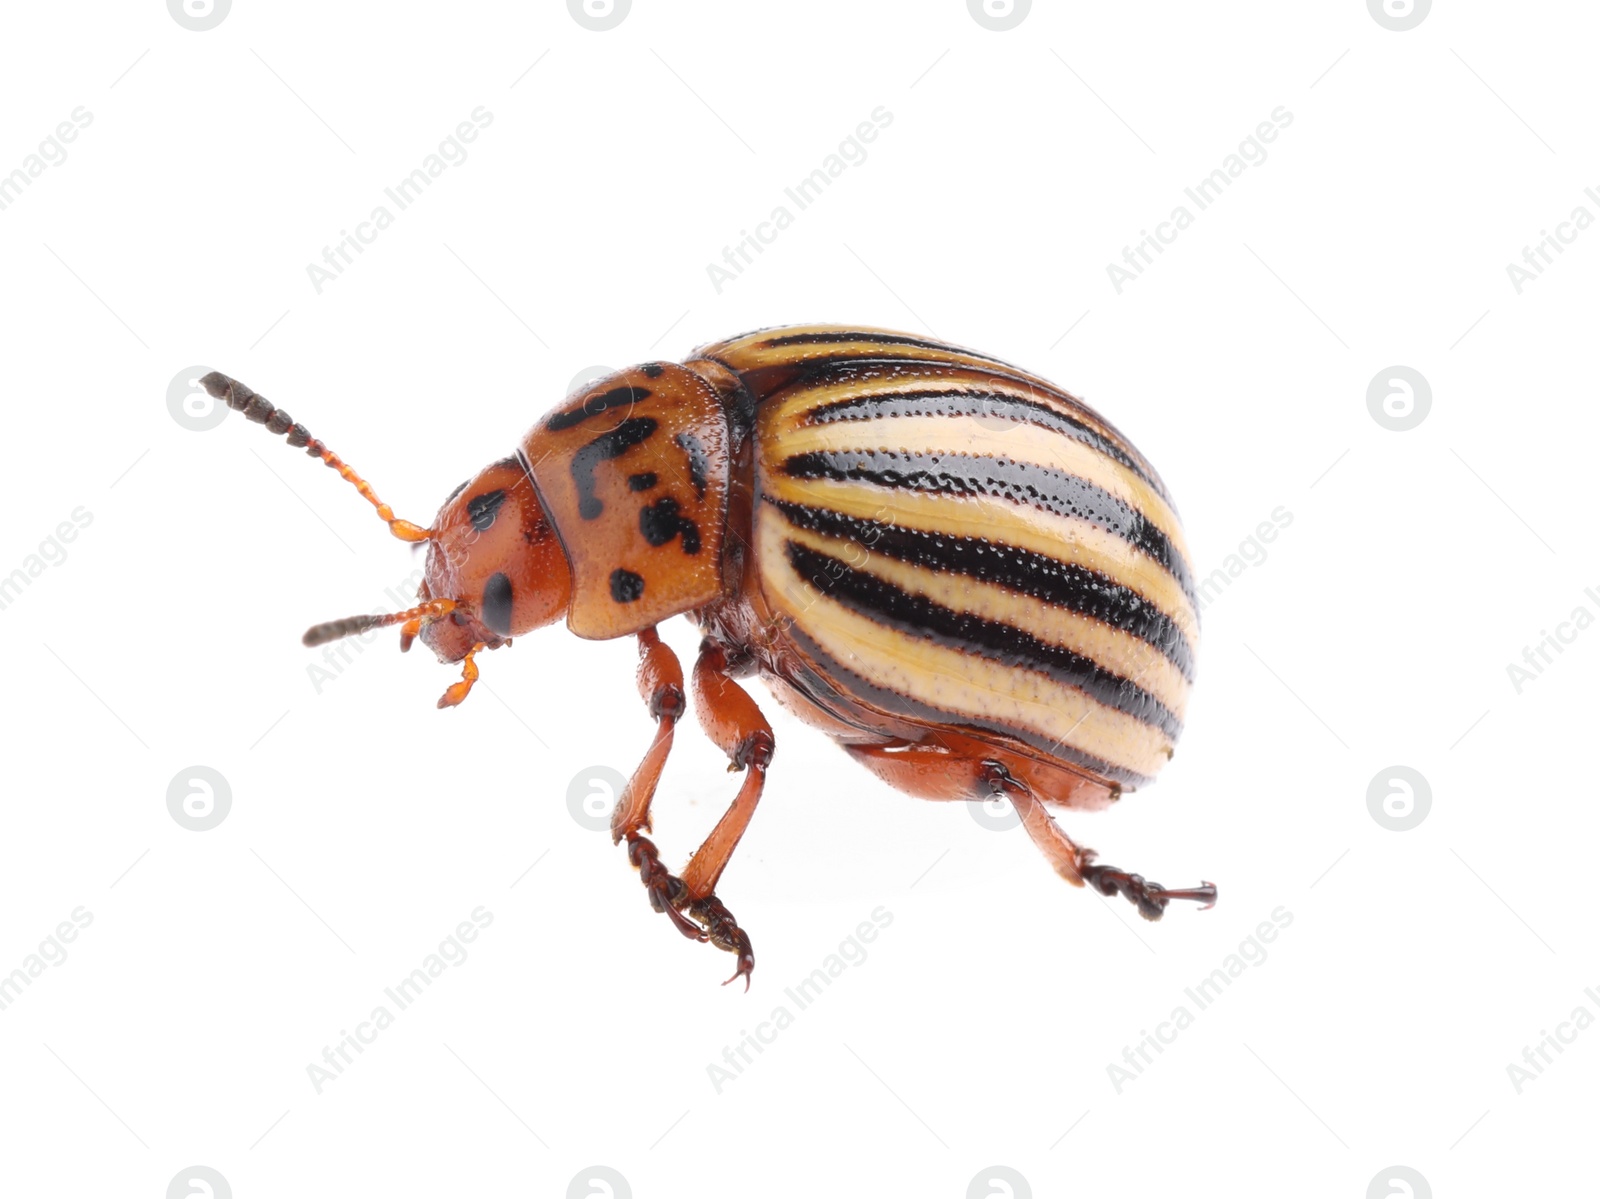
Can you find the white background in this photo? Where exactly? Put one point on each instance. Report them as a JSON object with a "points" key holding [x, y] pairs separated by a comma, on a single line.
{"points": [[365, 825]]}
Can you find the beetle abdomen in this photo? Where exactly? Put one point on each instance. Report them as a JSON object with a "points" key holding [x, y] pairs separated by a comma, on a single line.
{"points": [[955, 541]]}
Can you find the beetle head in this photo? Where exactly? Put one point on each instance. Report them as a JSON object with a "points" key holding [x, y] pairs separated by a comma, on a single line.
{"points": [[495, 568], [491, 551]]}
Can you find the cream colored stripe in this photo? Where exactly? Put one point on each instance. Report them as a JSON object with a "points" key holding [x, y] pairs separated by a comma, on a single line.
{"points": [[1027, 444], [961, 684], [788, 409], [1066, 539], [1120, 653]]}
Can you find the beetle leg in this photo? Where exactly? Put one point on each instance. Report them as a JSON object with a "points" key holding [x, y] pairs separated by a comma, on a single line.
{"points": [[456, 692], [734, 724], [1075, 863], [660, 680]]}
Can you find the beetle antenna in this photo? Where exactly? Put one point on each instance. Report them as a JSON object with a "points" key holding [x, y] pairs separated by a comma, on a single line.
{"points": [[333, 630], [256, 408]]}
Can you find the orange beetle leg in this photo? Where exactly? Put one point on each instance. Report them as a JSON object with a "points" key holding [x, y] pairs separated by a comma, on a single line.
{"points": [[966, 770], [660, 680], [735, 724], [457, 692], [1075, 863]]}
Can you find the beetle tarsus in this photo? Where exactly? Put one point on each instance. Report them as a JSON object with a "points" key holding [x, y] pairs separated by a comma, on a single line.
{"points": [[668, 894], [707, 920], [1150, 898], [723, 931]]}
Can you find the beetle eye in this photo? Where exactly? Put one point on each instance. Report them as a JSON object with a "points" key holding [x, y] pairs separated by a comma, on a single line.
{"points": [[497, 604]]}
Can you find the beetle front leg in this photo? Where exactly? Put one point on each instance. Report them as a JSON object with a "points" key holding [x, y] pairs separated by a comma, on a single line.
{"points": [[456, 692], [660, 680], [735, 724]]}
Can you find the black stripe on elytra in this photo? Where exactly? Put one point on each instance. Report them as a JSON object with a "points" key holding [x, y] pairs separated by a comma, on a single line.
{"points": [[497, 597], [909, 369], [887, 339], [919, 617], [698, 462], [1064, 584], [999, 478], [611, 444], [999, 405], [821, 678], [617, 397], [484, 508], [660, 523]]}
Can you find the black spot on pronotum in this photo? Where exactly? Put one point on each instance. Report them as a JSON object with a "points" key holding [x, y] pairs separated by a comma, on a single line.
{"points": [[484, 508], [698, 462], [608, 445], [617, 397], [626, 586], [652, 370], [643, 481], [497, 604], [660, 523]]}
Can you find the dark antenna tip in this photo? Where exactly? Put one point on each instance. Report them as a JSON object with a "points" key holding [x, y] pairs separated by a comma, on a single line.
{"points": [[335, 630], [255, 407]]}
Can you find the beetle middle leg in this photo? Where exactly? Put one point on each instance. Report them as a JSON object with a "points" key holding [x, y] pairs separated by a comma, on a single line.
{"points": [[660, 681], [735, 725]]}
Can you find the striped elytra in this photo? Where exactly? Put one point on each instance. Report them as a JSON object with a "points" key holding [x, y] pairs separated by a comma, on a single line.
{"points": [[954, 541], [962, 574]]}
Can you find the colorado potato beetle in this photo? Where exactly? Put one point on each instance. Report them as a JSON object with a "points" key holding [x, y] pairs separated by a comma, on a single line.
{"points": [[959, 572]]}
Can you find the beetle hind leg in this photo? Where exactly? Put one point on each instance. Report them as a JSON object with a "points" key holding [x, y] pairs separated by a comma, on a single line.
{"points": [[1077, 864], [948, 766], [1150, 898]]}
